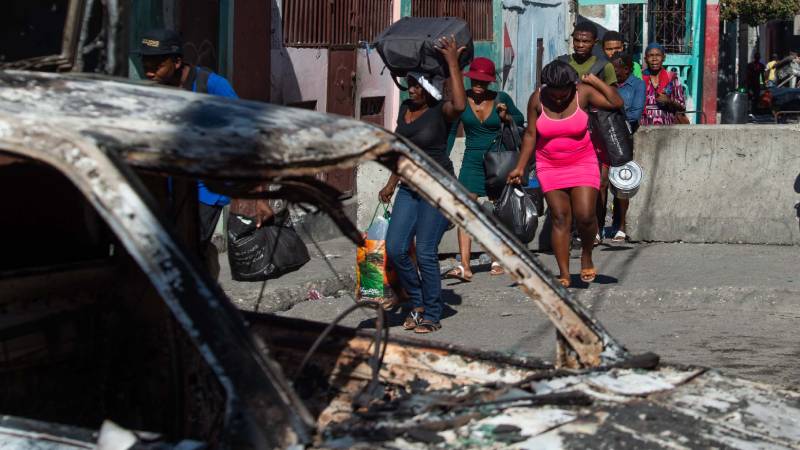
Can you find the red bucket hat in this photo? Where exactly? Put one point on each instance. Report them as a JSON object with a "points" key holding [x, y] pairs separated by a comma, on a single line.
{"points": [[481, 69]]}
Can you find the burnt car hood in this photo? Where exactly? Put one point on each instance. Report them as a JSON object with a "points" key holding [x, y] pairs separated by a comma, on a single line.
{"points": [[178, 132]]}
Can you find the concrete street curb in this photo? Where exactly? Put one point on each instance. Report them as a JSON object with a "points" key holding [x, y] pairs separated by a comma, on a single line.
{"points": [[285, 299]]}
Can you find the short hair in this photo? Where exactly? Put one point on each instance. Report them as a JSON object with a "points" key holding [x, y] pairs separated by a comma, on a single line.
{"points": [[613, 36], [586, 27], [624, 57], [559, 74]]}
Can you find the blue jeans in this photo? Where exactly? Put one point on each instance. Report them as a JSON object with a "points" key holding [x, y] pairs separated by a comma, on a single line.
{"points": [[413, 217]]}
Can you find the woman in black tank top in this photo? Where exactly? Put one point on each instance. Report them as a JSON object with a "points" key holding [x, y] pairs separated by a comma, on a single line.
{"points": [[425, 120]]}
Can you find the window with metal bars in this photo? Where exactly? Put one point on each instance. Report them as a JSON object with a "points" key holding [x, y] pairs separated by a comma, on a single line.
{"points": [[324, 23], [631, 20], [477, 13], [671, 24]]}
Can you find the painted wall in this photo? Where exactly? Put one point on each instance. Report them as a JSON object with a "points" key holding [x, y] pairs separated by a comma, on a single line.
{"points": [[370, 83], [607, 16], [299, 75], [526, 22]]}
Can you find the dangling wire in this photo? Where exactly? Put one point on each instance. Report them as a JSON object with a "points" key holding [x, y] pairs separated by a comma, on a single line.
{"points": [[381, 336]]}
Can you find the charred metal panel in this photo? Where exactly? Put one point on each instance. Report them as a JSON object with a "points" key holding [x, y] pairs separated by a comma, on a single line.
{"points": [[261, 408]]}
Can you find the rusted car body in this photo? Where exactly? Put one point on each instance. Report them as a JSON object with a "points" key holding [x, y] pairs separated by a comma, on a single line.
{"points": [[134, 331]]}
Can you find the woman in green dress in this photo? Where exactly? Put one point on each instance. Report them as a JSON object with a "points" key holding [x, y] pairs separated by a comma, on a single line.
{"points": [[481, 121]]}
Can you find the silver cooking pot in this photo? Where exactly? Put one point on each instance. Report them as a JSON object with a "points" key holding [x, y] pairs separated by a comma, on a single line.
{"points": [[626, 179]]}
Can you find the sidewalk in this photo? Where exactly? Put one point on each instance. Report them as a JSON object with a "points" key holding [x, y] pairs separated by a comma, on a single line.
{"points": [[329, 273]]}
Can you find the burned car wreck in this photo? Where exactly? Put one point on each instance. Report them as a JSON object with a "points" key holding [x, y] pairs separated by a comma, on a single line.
{"points": [[108, 317]]}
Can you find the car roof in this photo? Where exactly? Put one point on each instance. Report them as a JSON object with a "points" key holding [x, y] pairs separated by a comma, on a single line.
{"points": [[175, 131]]}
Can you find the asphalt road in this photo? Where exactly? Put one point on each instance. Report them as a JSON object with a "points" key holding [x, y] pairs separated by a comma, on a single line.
{"points": [[731, 307]]}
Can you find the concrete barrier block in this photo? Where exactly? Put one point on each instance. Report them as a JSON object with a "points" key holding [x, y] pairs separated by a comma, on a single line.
{"points": [[718, 183]]}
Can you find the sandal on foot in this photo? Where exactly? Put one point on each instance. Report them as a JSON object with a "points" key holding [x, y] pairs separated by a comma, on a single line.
{"points": [[597, 239], [588, 275], [426, 326], [496, 269], [413, 320], [564, 282], [459, 273], [620, 237]]}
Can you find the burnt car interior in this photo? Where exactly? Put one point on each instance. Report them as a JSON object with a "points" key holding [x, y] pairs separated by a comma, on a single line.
{"points": [[84, 337]]}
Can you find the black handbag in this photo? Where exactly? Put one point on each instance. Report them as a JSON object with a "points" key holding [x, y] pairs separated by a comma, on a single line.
{"points": [[258, 254], [614, 135], [501, 158]]}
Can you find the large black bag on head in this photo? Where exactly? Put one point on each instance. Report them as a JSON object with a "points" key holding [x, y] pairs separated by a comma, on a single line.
{"points": [[258, 254], [517, 211], [501, 158], [409, 45], [612, 133]]}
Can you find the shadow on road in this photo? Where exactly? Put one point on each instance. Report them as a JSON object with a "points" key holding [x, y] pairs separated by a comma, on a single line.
{"points": [[395, 317], [616, 248]]}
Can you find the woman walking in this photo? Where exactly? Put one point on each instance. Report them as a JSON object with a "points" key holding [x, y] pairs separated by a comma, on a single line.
{"points": [[566, 161], [486, 111], [425, 120], [665, 98]]}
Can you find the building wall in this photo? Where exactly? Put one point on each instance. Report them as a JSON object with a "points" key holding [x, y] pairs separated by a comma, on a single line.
{"points": [[526, 22], [370, 83], [300, 75]]}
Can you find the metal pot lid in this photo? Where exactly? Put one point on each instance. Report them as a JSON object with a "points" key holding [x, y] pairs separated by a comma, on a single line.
{"points": [[627, 176]]}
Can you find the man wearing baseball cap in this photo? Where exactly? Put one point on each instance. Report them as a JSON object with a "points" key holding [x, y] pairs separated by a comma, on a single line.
{"points": [[161, 52]]}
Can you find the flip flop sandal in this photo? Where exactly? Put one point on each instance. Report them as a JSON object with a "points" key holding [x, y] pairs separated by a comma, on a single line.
{"points": [[564, 282], [588, 275], [597, 239], [496, 269], [620, 237], [426, 326], [413, 320], [458, 273]]}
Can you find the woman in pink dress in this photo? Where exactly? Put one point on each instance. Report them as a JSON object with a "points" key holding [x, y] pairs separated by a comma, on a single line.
{"points": [[566, 161]]}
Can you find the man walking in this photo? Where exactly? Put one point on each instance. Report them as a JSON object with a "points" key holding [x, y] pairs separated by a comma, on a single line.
{"points": [[161, 52], [632, 90], [584, 37]]}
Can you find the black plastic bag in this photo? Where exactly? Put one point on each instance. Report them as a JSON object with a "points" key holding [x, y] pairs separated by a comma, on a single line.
{"points": [[258, 254], [409, 45], [501, 158], [614, 135], [517, 211]]}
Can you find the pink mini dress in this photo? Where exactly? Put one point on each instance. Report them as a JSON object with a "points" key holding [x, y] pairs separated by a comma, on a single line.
{"points": [[565, 155]]}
